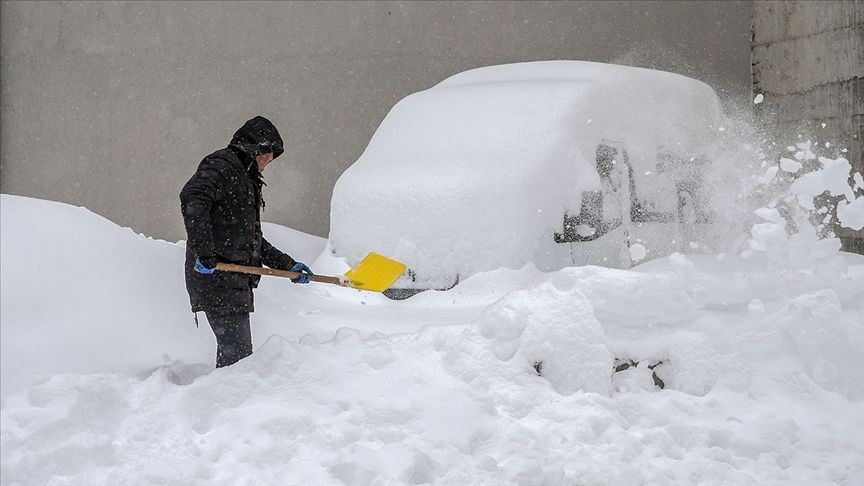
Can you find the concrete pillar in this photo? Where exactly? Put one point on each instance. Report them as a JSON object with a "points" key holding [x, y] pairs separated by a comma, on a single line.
{"points": [[808, 61]]}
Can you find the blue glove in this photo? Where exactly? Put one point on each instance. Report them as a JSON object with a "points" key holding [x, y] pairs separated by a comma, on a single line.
{"points": [[201, 268], [302, 268]]}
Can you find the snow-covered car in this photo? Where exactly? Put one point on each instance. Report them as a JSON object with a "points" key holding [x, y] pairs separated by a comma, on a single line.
{"points": [[556, 163]]}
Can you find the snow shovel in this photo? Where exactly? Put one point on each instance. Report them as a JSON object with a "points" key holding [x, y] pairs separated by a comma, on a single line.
{"points": [[375, 273]]}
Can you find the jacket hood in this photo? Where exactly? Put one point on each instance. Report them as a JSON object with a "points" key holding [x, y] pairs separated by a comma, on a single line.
{"points": [[258, 136]]}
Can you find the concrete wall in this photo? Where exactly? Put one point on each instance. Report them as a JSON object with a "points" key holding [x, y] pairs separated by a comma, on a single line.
{"points": [[808, 60], [112, 105]]}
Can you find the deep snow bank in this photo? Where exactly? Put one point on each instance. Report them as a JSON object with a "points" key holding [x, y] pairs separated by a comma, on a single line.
{"points": [[750, 372], [81, 294], [761, 361]]}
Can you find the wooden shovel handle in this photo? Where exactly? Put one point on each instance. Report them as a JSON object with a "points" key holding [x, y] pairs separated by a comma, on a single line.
{"points": [[231, 267]]}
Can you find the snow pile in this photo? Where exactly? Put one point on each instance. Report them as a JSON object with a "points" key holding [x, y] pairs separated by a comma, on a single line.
{"points": [[509, 381], [80, 294], [477, 172], [560, 337]]}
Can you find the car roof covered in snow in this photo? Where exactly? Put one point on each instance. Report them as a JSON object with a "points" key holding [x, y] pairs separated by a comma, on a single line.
{"points": [[542, 71], [524, 112], [679, 111]]}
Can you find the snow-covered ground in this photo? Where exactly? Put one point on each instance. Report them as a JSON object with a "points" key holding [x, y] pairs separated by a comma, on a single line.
{"points": [[106, 379]]}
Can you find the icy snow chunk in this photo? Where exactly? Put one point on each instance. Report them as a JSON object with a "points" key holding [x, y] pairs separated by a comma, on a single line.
{"points": [[768, 236], [771, 235], [805, 153], [769, 214], [770, 173], [859, 181], [832, 177], [585, 231], [637, 252], [851, 215], [758, 99], [554, 327], [790, 165]]}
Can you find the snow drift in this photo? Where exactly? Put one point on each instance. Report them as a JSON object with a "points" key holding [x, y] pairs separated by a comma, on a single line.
{"points": [[81, 294], [761, 361]]}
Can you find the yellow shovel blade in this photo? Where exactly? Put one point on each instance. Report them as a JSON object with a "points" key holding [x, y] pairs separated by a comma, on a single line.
{"points": [[375, 273]]}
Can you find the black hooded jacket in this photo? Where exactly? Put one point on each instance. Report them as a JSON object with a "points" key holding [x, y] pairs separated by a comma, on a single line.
{"points": [[221, 207]]}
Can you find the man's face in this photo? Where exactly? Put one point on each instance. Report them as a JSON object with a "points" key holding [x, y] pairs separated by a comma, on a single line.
{"points": [[263, 160]]}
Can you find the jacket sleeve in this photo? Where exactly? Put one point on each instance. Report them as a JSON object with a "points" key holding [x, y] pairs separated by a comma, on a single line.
{"points": [[274, 258], [196, 199]]}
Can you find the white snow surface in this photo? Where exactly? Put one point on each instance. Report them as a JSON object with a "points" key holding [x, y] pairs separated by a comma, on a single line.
{"points": [[106, 380], [832, 177], [851, 214], [508, 148], [790, 165], [303, 248], [637, 252]]}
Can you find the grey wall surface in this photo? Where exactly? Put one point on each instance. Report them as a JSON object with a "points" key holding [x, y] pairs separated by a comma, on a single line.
{"points": [[808, 60], [112, 105]]}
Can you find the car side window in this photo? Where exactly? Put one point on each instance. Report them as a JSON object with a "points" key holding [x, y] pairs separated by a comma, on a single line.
{"points": [[599, 211]]}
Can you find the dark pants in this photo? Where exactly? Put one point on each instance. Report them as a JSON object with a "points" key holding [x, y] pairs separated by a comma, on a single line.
{"points": [[233, 337]]}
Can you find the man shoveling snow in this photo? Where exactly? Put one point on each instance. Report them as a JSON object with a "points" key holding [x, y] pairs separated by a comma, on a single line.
{"points": [[221, 207]]}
